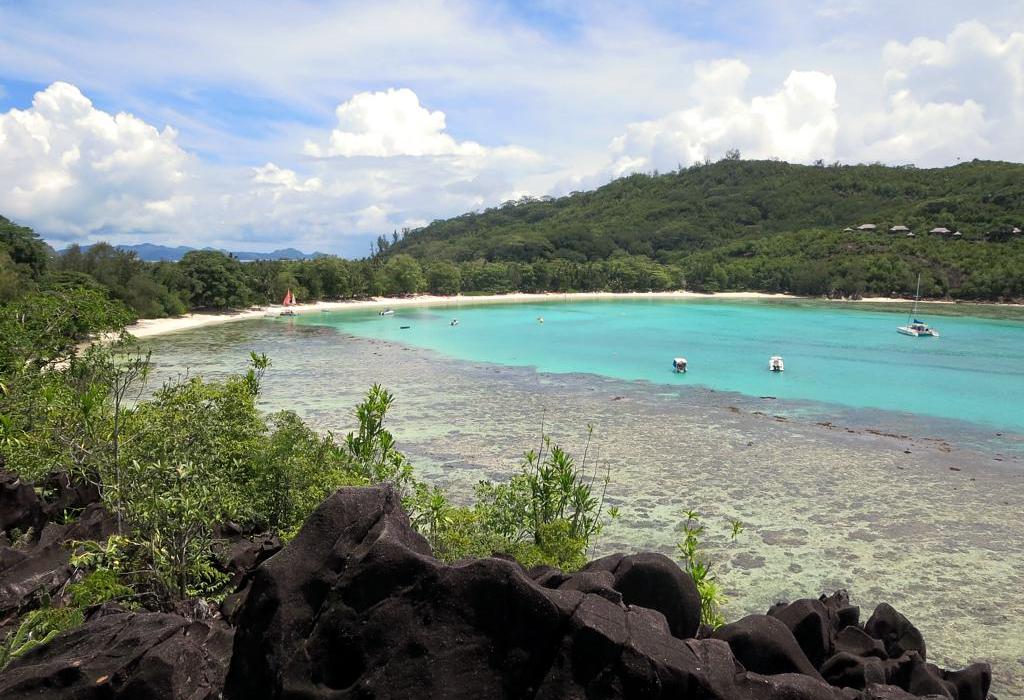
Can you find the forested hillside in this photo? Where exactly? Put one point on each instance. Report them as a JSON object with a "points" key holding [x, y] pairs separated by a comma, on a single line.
{"points": [[705, 206], [767, 226]]}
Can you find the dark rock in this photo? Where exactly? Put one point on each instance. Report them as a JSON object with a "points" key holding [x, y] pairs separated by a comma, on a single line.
{"points": [[601, 583], [654, 581], [20, 507], [808, 620], [765, 645], [355, 607], [841, 613], [971, 683], [846, 670], [854, 640], [918, 677], [895, 632], [124, 656], [42, 567]]}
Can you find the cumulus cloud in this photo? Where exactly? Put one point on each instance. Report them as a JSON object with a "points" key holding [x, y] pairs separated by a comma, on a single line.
{"points": [[797, 122], [70, 167], [394, 123], [947, 99], [79, 174]]}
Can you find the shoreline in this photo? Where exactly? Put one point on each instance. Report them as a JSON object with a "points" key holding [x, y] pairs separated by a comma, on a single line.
{"points": [[145, 328]]}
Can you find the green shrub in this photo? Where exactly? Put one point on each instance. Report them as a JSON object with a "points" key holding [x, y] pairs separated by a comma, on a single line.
{"points": [[37, 628]]}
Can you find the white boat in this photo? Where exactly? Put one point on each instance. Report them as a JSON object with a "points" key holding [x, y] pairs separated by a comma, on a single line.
{"points": [[915, 327], [679, 365], [454, 322], [775, 364], [387, 312]]}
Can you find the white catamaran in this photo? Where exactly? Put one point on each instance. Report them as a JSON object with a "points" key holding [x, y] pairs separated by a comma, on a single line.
{"points": [[915, 327]]}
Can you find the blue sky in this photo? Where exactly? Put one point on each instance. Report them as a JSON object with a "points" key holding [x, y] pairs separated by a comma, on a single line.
{"points": [[323, 124]]}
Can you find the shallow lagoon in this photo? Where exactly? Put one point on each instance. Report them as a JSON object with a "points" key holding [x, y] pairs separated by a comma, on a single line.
{"points": [[938, 531]]}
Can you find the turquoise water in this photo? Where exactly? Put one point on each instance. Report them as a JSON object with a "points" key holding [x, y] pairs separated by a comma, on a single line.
{"points": [[847, 356]]}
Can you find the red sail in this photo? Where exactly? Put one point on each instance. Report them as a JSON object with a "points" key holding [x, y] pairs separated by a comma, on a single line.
{"points": [[288, 298]]}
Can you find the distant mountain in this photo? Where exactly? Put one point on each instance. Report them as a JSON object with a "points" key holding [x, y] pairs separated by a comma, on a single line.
{"points": [[154, 253]]}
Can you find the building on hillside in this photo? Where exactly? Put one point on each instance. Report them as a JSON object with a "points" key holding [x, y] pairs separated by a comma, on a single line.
{"points": [[940, 231], [867, 228], [957, 234], [847, 230], [899, 228]]}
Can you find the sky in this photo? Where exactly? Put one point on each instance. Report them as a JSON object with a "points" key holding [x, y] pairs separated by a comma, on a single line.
{"points": [[321, 125]]}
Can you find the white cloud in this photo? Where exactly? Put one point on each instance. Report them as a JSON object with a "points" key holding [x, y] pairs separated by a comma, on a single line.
{"points": [[394, 123], [280, 179], [391, 123], [924, 132], [947, 99], [69, 167], [78, 173], [797, 122]]}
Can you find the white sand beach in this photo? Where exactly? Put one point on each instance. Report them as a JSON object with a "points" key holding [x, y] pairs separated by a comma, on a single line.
{"points": [[158, 326]]}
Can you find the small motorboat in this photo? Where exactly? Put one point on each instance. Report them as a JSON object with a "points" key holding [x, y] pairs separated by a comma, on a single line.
{"points": [[386, 312], [775, 364], [679, 365], [287, 312], [540, 319], [454, 322]]}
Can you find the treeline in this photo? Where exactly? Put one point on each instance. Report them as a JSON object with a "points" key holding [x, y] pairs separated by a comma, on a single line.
{"points": [[667, 216]]}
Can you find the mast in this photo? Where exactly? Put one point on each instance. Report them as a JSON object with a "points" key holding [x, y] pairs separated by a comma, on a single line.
{"points": [[917, 295]]}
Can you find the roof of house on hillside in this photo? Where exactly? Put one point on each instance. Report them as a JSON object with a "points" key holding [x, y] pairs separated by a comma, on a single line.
{"points": [[848, 230], [866, 227], [940, 229], [899, 228]]}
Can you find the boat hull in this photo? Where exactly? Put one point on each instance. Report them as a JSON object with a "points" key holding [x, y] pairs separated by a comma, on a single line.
{"points": [[916, 333]]}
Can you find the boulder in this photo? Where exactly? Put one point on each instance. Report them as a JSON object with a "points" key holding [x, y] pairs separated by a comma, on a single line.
{"points": [[971, 683], [125, 656], [20, 507], [895, 632], [765, 645], [808, 620], [654, 581]]}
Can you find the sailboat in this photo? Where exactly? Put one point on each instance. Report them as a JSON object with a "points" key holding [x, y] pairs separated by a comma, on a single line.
{"points": [[915, 327], [289, 301]]}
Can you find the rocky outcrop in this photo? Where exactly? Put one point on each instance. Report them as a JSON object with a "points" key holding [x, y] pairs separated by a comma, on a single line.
{"points": [[125, 656], [357, 607]]}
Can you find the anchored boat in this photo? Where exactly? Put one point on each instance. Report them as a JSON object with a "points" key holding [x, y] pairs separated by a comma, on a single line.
{"points": [[775, 364], [386, 312], [915, 327], [679, 365]]}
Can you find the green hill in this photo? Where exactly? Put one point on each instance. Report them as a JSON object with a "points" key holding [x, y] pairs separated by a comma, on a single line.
{"points": [[770, 226]]}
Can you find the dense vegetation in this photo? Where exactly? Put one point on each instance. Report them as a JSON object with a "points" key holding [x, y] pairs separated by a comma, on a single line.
{"points": [[757, 225]]}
